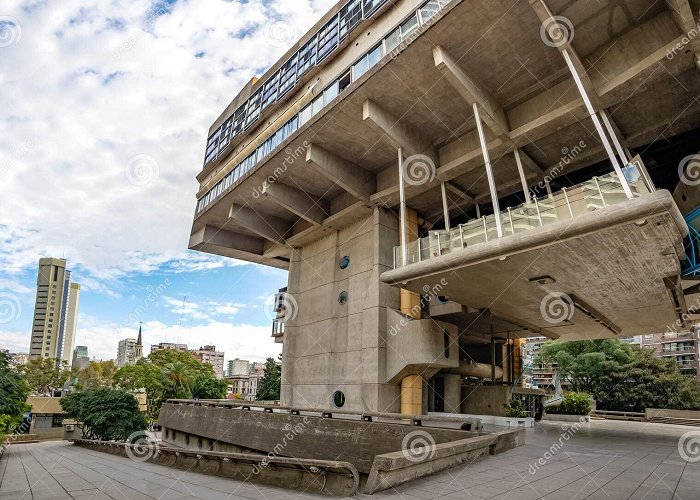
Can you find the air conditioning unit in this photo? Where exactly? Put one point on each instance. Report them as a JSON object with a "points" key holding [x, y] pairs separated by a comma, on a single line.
{"points": [[70, 428]]}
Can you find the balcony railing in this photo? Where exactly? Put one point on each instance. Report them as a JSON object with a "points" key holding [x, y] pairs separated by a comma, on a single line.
{"points": [[674, 337], [277, 328], [568, 203]]}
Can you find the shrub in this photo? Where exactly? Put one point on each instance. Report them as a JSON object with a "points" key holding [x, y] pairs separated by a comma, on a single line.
{"points": [[574, 403], [514, 409]]}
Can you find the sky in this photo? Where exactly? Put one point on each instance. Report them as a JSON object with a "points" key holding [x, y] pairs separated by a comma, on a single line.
{"points": [[104, 111]]}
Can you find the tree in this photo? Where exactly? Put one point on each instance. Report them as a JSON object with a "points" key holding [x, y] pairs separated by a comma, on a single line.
{"points": [[95, 374], [205, 387], [270, 382], [104, 414], [622, 377], [178, 381], [43, 376], [13, 396]]}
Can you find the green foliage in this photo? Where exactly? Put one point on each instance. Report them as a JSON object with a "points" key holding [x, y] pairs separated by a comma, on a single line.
{"points": [[43, 377], [205, 387], [574, 403], [270, 382], [622, 377], [170, 374], [95, 374], [514, 408], [104, 414], [13, 396]]}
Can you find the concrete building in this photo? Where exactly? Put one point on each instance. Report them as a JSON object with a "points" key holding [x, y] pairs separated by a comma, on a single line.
{"points": [[209, 354], [168, 345], [130, 351], [237, 367], [444, 179], [81, 358], [18, 359], [55, 312], [246, 384], [681, 347]]}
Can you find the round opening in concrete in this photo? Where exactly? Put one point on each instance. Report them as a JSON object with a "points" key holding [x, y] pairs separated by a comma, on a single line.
{"points": [[338, 399], [343, 297], [344, 262]]}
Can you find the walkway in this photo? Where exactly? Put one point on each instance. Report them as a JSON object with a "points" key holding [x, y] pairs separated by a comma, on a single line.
{"points": [[610, 460]]}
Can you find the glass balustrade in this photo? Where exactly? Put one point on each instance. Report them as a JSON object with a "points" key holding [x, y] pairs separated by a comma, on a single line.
{"points": [[589, 196]]}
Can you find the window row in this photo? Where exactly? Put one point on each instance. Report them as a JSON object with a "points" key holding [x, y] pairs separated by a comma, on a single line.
{"points": [[315, 50], [359, 68]]}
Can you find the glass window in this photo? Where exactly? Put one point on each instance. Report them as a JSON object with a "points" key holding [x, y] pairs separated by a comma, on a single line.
{"points": [[317, 105], [287, 76], [350, 16], [305, 115], [269, 92], [307, 57], [392, 41], [360, 68], [429, 9], [370, 6], [327, 39], [330, 93], [409, 26], [237, 120], [344, 81], [253, 111], [374, 56]]}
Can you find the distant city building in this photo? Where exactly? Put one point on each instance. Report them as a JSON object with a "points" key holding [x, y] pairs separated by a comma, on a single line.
{"points": [[681, 347], [245, 384], [18, 359], [55, 312], [238, 367], [209, 354], [80, 357], [130, 351], [168, 345]]}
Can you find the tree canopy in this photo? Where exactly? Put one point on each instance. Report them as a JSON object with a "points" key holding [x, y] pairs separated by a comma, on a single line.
{"points": [[104, 414], [43, 376], [622, 377], [95, 374], [13, 396], [270, 382]]}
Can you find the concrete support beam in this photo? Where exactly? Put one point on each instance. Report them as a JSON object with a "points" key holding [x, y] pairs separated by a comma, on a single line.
{"points": [[491, 111], [683, 15], [271, 228], [463, 194], [354, 179], [300, 203], [397, 132], [210, 235]]}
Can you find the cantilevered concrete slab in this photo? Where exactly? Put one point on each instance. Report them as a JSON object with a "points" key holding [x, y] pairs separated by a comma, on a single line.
{"points": [[611, 263]]}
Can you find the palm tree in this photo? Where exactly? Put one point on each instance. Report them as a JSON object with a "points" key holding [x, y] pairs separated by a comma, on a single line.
{"points": [[177, 380]]}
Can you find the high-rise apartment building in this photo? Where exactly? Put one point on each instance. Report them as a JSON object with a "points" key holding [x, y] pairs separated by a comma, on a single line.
{"points": [[208, 354], [168, 345], [443, 179], [130, 351], [55, 312], [238, 367], [81, 358], [680, 347]]}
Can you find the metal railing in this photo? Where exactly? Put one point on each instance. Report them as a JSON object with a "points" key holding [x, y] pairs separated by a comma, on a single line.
{"points": [[571, 202]]}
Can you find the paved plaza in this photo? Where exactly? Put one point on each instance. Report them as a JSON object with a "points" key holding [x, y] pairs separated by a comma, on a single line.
{"points": [[608, 460]]}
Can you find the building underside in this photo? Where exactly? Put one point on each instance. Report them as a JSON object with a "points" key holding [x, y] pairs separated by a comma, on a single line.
{"points": [[572, 120]]}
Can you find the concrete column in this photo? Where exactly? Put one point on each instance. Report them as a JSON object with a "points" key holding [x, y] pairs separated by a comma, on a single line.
{"points": [[410, 301], [453, 393], [412, 395]]}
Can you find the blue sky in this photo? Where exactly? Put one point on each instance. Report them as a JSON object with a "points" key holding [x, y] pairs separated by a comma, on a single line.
{"points": [[104, 112]]}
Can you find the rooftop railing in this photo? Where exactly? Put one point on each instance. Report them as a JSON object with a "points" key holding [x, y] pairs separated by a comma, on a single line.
{"points": [[571, 202]]}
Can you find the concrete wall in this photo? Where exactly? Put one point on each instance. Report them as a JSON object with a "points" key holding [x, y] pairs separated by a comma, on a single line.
{"points": [[485, 399], [330, 346]]}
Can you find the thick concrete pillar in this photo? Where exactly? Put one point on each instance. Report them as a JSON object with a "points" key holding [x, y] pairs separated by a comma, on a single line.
{"points": [[517, 360], [412, 395], [453, 393]]}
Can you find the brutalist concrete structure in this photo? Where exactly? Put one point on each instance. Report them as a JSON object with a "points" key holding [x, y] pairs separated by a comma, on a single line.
{"points": [[445, 178]]}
